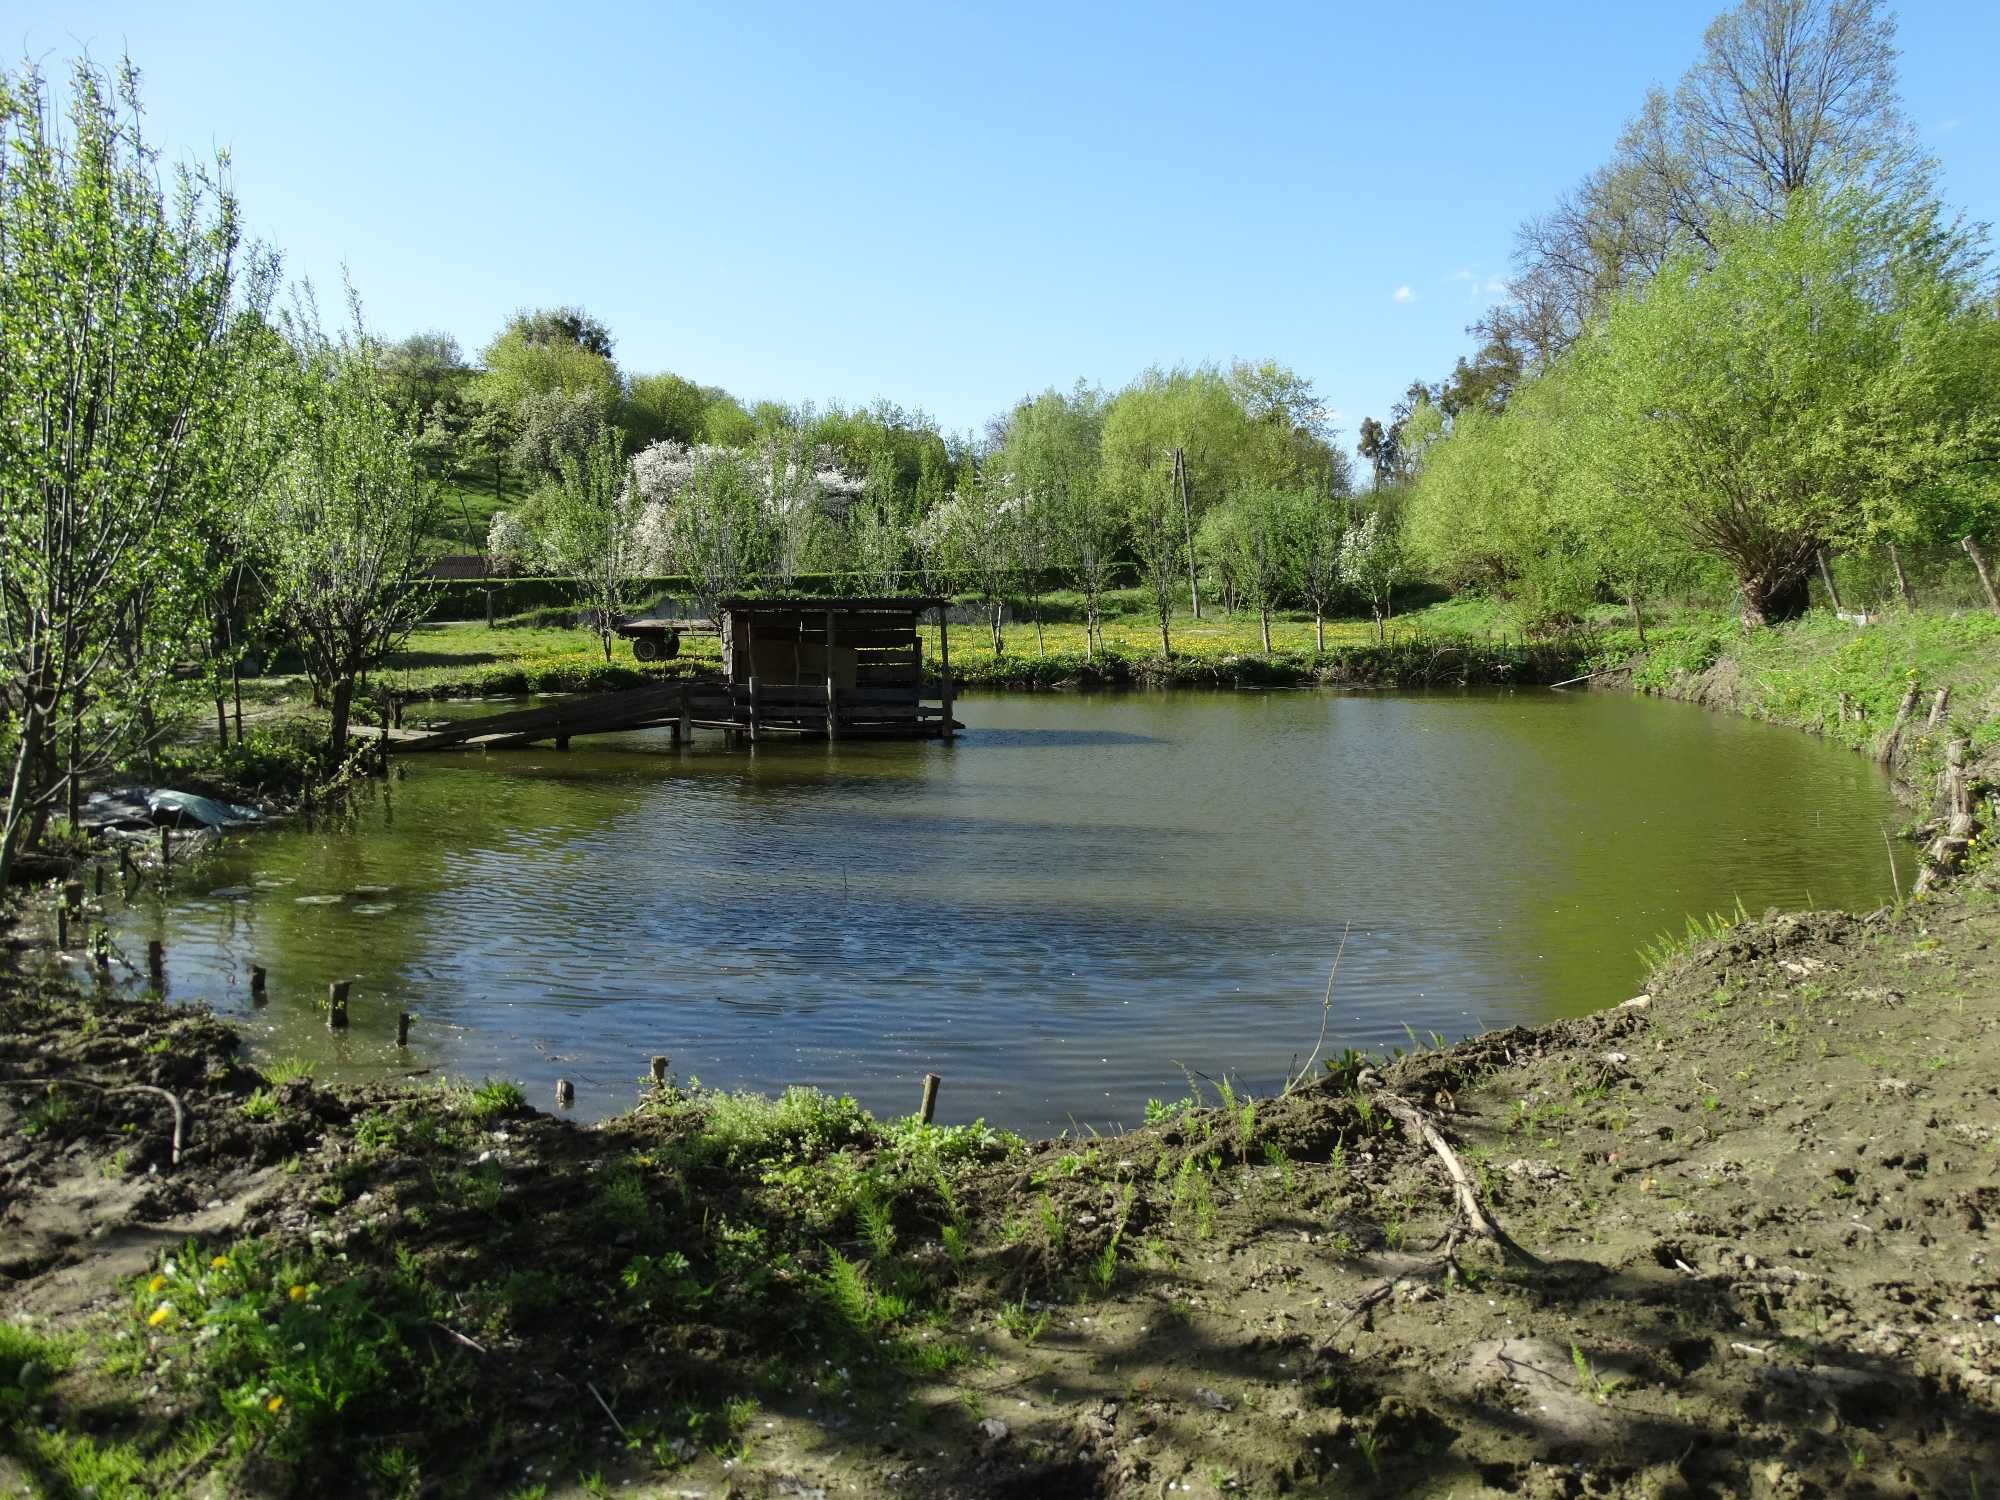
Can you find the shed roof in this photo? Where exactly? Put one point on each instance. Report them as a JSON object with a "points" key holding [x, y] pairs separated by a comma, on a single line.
{"points": [[887, 604]]}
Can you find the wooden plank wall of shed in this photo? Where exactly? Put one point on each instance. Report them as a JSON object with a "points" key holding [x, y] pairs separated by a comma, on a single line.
{"points": [[872, 649]]}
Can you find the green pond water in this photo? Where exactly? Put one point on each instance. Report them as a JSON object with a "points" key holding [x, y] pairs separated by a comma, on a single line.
{"points": [[1060, 913]]}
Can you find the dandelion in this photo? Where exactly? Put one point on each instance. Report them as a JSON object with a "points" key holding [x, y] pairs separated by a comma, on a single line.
{"points": [[159, 1315], [300, 1293], [273, 1404], [156, 1283], [218, 1263]]}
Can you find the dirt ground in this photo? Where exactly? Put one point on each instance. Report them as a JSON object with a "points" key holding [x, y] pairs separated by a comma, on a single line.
{"points": [[1758, 1206]]}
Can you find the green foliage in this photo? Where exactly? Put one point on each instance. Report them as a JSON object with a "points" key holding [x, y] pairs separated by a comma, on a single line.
{"points": [[287, 1353]]}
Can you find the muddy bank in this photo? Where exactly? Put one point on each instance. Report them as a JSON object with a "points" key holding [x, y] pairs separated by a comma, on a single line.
{"points": [[1760, 1208]]}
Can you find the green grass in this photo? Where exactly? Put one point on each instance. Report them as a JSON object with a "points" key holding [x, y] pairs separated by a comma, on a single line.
{"points": [[469, 508]]}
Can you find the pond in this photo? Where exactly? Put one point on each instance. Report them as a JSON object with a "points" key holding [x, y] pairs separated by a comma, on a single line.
{"points": [[1065, 913]]}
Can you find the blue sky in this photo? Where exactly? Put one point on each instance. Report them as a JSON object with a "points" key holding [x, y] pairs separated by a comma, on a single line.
{"points": [[944, 205]]}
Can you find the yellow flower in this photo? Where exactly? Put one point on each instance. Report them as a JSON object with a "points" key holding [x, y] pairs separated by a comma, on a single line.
{"points": [[156, 1283], [218, 1263], [274, 1403], [300, 1293], [160, 1315]]}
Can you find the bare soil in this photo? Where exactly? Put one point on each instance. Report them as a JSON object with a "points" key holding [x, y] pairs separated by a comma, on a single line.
{"points": [[1761, 1201]]}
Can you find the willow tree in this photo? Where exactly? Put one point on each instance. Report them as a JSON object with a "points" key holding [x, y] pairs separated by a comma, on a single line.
{"points": [[1769, 400], [343, 525], [113, 293]]}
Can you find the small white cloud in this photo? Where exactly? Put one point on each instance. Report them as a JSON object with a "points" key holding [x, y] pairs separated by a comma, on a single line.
{"points": [[1335, 414], [1404, 294], [1463, 276], [1497, 285]]}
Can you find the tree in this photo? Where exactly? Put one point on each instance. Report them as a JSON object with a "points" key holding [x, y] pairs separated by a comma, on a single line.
{"points": [[797, 507], [664, 407], [113, 295], [1253, 540], [714, 522], [1316, 525], [979, 528], [346, 519], [1372, 563], [590, 530], [420, 371], [1190, 411], [1774, 401], [1050, 453], [1786, 94], [1155, 521], [559, 326]]}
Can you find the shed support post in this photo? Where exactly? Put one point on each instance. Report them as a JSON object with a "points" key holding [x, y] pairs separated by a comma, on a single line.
{"points": [[944, 663], [832, 696]]}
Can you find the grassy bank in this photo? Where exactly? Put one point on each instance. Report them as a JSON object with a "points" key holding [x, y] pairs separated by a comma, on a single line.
{"points": [[1757, 1206]]}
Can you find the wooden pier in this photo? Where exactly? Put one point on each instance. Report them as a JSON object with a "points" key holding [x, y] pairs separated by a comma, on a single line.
{"points": [[805, 668]]}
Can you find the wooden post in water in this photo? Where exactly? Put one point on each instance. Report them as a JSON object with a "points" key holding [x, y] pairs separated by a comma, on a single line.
{"points": [[944, 662], [258, 985], [72, 892], [403, 1029], [156, 962], [166, 847], [686, 731], [750, 646], [565, 1093], [62, 927], [100, 879], [1985, 578], [336, 1005], [931, 1082], [659, 1072], [832, 707]]}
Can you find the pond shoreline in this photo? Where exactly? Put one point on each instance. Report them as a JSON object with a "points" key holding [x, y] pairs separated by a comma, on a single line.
{"points": [[1736, 1270]]}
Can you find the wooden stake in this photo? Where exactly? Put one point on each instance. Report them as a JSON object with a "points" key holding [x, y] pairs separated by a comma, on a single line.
{"points": [[1903, 712], [1826, 577], [336, 1005], [1902, 578], [1985, 578], [62, 927], [1938, 705], [156, 961], [166, 847], [403, 1029], [257, 984], [931, 1082], [659, 1072], [565, 1093], [832, 705], [100, 880], [73, 895]]}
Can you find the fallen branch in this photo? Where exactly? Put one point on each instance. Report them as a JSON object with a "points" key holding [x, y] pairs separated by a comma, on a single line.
{"points": [[180, 1115], [607, 1408], [1471, 1210]]}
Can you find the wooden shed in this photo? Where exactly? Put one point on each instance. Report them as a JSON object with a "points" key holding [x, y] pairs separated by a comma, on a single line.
{"points": [[836, 667]]}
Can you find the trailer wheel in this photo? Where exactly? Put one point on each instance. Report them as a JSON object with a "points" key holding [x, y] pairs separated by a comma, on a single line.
{"points": [[645, 648]]}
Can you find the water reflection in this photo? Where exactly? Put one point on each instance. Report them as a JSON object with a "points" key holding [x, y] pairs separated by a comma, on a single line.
{"points": [[1057, 913]]}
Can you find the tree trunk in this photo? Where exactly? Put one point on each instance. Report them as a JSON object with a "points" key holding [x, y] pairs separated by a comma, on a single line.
{"points": [[1381, 629], [1166, 640], [1985, 578], [1638, 619], [1040, 649], [1902, 578], [993, 621], [1826, 577], [343, 704], [1187, 527], [1265, 614], [17, 797], [1769, 601], [1319, 628], [221, 722]]}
